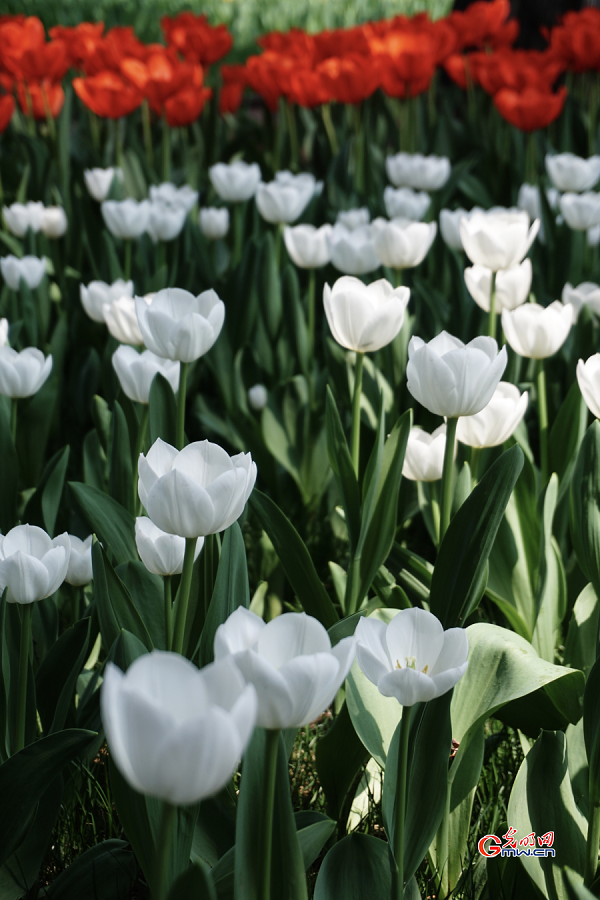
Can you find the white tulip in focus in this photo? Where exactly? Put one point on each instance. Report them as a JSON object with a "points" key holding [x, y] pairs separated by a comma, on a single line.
{"points": [[161, 553], [498, 239], [452, 379], [424, 457], [353, 218], [165, 221], [168, 194], [98, 294], [136, 372], [581, 211], [4, 327], [353, 252], [126, 219], [497, 421], [404, 244], [122, 321], [176, 732], [80, 569], [537, 332], [21, 216], [196, 491], [235, 182], [284, 200], [573, 173], [214, 222], [179, 326], [450, 220], [405, 203], [364, 317], [54, 222], [290, 661], [257, 397], [423, 173], [307, 246], [32, 565], [512, 285], [99, 181], [588, 377], [30, 268], [22, 374], [585, 294], [412, 659]]}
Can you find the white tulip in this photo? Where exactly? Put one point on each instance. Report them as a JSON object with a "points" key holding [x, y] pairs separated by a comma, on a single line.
{"points": [[512, 285], [21, 216], [196, 491], [4, 326], [588, 377], [537, 332], [167, 194], [165, 222], [572, 173], [497, 421], [585, 294], [235, 182], [99, 181], [290, 661], [97, 294], [214, 222], [257, 397], [405, 203], [593, 236], [284, 200], [178, 326], [126, 219], [79, 570], [497, 239], [452, 379], [423, 173], [424, 457], [363, 317], [173, 731], [412, 659], [161, 553], [136, 372], [22, 374], [353, 252], [581, 211], [121, 320], [53, 222], [307, 246], [450, 220], [353, 218], [30, 268], [529, 200], [403, 244], [32, 565]]}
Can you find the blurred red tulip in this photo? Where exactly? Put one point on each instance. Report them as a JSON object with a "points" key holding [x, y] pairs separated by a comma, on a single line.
{"points": [[7, 108], [108, 94], [185, 106], [306, 88], [81, 40], [479, 23], [40, 99], [350, 78], [531, 108], [196, 39], [19, 36]]}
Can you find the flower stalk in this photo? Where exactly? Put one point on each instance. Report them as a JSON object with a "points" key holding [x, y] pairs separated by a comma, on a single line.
{"points": [[266, 825], [358, 372], [447, 476], [25, 644], [184, 594], [543, 420], [400, 806], [181, 396], [165, 839]]}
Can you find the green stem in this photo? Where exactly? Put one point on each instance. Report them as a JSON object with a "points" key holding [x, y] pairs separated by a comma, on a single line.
{"points": [[209, 582], [147, 134], [166, 829], [166, 151], [400, 807], [13, 419], [359, 153], [475, 458], [593, 838], [358, 371], [266, 824], [293, 131], [168, 612], [492, 314], [127, 263], [181, 394], [26, 614], [184, 594], [311, 311], [447, 475], [330, 128], [139, 448], [277, 245], [397, 277], [543, 420], [443, 863], [238, 231]]}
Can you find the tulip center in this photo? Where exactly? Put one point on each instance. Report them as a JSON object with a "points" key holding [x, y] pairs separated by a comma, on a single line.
{"points": [[411, 663]]}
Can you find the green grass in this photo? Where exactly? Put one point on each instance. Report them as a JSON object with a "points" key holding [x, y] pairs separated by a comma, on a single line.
{"points": [[246, 18]]}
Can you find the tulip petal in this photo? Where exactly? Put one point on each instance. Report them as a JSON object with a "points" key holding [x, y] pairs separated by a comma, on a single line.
{"points": [[407, 686], [240, 632], [291, 635], [371, 649], [275, 702]]}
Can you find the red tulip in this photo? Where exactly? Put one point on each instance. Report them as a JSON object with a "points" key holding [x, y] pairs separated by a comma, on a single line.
{"points": [[196, 40], [81, 40], [349, 79], [234, 83], [40, 99], [7, 108], [185, 106], [306, 88], [18, 36], [108, 95], [531, 108]]}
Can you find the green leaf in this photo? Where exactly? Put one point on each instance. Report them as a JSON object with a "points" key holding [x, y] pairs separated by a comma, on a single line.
{"points": [[341, 463], [551, 594], [120, 479], [56, 677], [116, 610], [567, 434], [295, 320], [270, 287], [585, 506], [26, 775], [147, 593], [42, 507], [295, 559], [9, 473], [358, 868], [340, 757], [580, 645], [112, 524], [314, 830], [106, 871], [195, 882], [457, 583], [162, 408], [102, 417], [288, 881], [230, 591], [574, 886], [591, 730]]}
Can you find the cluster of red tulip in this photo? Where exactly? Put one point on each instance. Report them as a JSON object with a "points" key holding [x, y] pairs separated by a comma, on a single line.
{"points": [[399, 56]]}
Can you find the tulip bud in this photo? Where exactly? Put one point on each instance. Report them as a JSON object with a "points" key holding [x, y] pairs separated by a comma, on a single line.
{"points": [[98, 294], [363, 317], [178, 326], [581, 211], [235, 182], [588, 378], [3, 332], [165, 222], [30, 268], [284, 200], [537, 332], [214, 222], [99, 181], [22, 374], [572, 173], [21, 216], [353, 218], [126, 219], [257, 397], [585, 294], [167, 194], [307, 246], [497, 239], [136, 372], [54, 222], [122, 321], [424, 457], [450, 220], [497, 421], [79, 570], [353, 252], [512, 285], [161, 553], [423, 173], [405, 203], [32, 565], [403, 244]]}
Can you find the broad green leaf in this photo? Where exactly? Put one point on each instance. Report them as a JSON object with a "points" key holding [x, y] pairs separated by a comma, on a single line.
{"points": [[357, 868], [42, 508], [578, 766], [591, 730], [295, 559], [340, 757], [195, 882], [56, 677], [341, 464], [112, 524], [585, 503], [551, 594], [270, 287], [580, 646], [121, 474], [106, 871], [147, 592], [162, 411], [214, 833], [566, 435], [295, 320], [314, 830], [465, 779], [116, 610], [574, 886]]}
